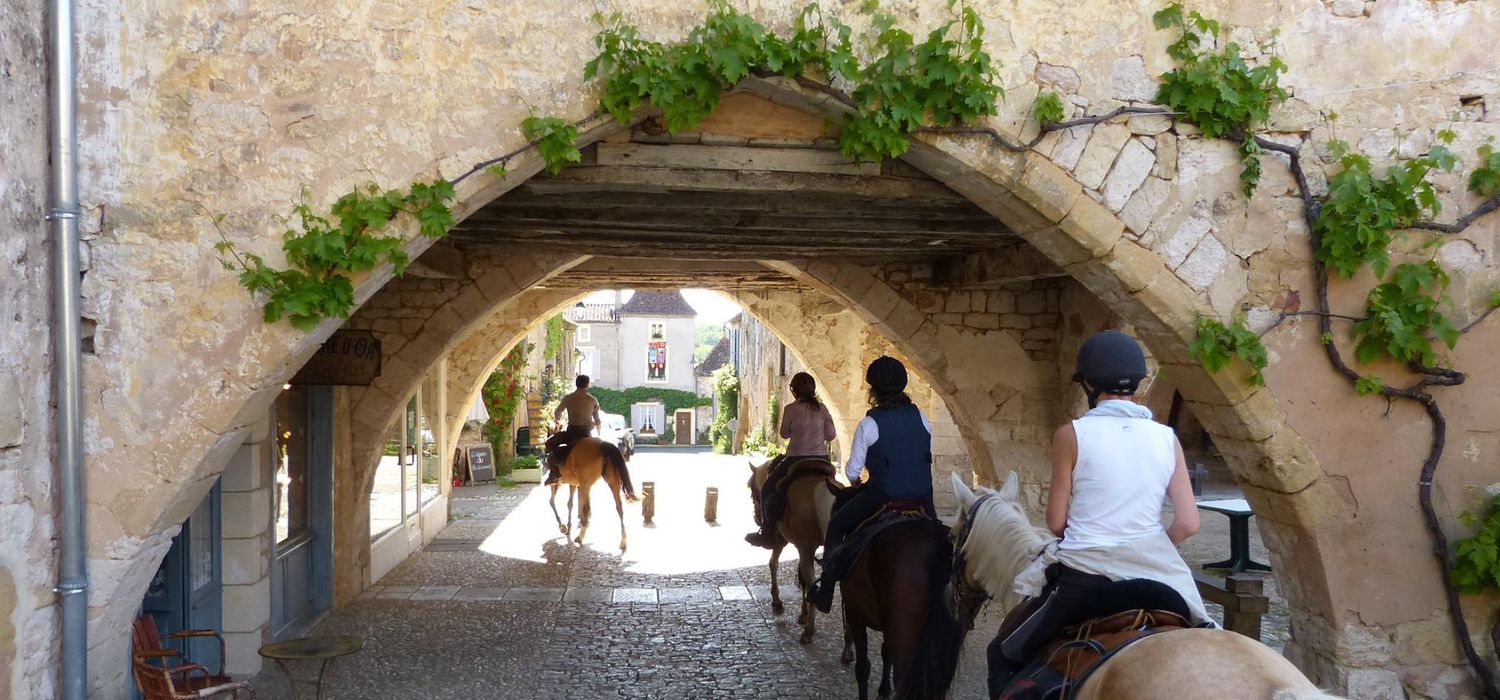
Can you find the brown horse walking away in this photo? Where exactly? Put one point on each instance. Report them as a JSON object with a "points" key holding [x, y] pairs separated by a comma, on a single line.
{"points": [[588, 460], [899, 587], [803, 523]]}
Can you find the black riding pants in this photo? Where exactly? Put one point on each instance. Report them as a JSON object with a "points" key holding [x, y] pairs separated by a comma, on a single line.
{"points": [[1064, 597]]}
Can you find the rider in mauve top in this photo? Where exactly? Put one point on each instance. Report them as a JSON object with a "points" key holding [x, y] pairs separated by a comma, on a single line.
{"points": [[894, 445], [807, 426]]}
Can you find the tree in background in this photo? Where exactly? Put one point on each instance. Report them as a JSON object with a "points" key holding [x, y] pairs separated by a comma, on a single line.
{"points": [[706, 336], [726, 387], [502, 394]]}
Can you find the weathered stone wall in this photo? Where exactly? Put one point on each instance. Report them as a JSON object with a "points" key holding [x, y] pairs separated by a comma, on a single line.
{"points": [[28, 618], [189, 112]]}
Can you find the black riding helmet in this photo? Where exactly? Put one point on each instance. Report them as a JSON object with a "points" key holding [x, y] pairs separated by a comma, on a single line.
{"points": [[886, 375], [1110, 362]]}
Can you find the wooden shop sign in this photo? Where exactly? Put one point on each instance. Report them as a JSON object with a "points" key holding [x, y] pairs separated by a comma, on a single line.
{"points": [[348, 358]]}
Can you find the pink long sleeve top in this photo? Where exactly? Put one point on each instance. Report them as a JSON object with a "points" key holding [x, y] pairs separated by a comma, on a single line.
{"points": [[807, 428]]}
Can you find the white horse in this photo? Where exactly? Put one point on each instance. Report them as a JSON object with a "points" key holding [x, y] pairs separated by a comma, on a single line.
{"points": [[1191, 664]]}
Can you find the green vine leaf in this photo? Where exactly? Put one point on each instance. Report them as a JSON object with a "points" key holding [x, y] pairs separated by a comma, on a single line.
{"points": [[324, 252], [1476, 561], [1369, 385], [945, 78], [1355, 224], [1484, 179], [555, 139], [1048, 108], [1219, 92], [1216, 344], [1402, 316]]}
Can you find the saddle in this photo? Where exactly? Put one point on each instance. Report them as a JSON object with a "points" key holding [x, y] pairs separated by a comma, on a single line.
{"points": [[1065, 663], [800, 467], [841, 560]]}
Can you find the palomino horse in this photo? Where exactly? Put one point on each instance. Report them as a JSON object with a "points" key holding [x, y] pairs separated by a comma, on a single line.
{"points": [[1190, 664], [803, 522], [588, 460], [899, 587]]}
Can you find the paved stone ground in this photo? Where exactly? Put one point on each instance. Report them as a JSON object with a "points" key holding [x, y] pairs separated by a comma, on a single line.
{"points": [[501, 606]]}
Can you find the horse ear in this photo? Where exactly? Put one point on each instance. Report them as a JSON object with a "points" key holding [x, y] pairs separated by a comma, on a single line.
{"points": [[962, 491], [751, 464], [1012, 488]]}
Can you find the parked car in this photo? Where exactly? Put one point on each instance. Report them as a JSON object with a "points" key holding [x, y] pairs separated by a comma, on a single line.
{"points": [[617, 431]]}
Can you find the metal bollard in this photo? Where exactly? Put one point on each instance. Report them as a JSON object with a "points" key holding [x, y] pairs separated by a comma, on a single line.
{"points": [[711, 505], [648, 500]]}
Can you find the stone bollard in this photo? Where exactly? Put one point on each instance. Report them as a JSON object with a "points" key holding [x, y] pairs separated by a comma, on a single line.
{"points": [[648, 501], [711, 505]]}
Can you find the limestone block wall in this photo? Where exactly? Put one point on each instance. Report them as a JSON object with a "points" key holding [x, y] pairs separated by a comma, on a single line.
{"points": [[238, 110]]}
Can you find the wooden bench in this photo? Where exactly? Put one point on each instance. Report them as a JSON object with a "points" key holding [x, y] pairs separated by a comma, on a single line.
{"points": [[1242, 597]]}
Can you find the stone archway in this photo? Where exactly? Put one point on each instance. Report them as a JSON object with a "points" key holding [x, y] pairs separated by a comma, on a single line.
{"points": [[1038, 200]]}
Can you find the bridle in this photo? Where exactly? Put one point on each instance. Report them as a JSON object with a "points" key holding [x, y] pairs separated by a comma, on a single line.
{"points": [[961, 595]]}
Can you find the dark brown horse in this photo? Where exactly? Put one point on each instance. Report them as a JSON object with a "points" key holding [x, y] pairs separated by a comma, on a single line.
{"points": [[899, 587]]}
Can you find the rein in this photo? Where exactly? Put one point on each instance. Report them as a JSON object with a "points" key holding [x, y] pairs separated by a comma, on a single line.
{"points": [[962, 595]]}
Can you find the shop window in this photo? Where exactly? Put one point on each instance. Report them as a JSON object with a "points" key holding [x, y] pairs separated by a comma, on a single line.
{"points": [[432, 464], [385, 494], [409, 480], [290, 496]]}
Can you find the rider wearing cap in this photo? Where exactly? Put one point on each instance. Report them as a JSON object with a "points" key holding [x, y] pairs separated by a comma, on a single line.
{"points": [[1111, 470], [894, 445]]}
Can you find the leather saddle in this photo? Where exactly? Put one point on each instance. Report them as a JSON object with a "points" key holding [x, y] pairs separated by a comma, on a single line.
{"points": [[841, 560], [1064, 664]]}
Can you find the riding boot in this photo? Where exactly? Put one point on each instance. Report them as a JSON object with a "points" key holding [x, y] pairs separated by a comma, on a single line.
{"points": [[761, 538], [554, 470], [822, 593]]}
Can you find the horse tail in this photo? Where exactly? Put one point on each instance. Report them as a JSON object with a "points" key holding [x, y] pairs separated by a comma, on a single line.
{"points": [[942, 637], [614, 459]]}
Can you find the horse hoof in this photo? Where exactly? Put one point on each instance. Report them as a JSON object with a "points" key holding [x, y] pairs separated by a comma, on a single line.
{"points": [[806, 638], [802, 618], [777, 608], [847, 657]]}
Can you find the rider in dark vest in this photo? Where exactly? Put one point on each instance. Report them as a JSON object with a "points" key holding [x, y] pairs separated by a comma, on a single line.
{"points": [[894, 445]]}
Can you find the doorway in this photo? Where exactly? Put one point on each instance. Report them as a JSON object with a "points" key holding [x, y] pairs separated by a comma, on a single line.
{"points": [[302, 510], [187, 591]]}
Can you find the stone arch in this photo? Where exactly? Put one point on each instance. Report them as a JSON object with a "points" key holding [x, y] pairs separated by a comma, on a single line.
{"points": [[1036, 198]]}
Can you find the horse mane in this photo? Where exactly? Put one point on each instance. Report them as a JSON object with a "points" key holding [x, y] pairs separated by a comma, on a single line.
{"points": [[1001, 542]]}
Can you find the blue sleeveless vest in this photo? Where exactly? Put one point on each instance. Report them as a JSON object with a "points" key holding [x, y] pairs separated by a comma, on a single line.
{"points": [[900, 461]]}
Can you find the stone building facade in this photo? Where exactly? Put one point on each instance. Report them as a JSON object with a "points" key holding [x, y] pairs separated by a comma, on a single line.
{"points": [[1136, 222]]}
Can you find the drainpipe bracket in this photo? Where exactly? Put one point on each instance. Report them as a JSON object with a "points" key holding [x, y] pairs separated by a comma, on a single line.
{"points": [[58, 214], [72, 586]]}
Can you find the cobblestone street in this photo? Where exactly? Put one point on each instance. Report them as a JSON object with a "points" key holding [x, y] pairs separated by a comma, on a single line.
{"points": [[501, 606]]}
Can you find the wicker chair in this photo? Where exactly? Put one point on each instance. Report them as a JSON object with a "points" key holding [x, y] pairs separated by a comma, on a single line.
{"points": [[163, 673]]}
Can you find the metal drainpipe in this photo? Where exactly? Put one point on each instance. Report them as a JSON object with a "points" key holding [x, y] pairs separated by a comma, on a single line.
{"points": [[67, 367]]}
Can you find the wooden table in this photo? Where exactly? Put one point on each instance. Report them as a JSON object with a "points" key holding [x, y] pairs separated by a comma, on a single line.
{"points": [[1239, 514], [324, 649]]}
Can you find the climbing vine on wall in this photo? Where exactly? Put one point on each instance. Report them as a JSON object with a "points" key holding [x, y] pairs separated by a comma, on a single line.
{"points": [[1352, 227], [325, 251], [502, 394], [1217, 344]]}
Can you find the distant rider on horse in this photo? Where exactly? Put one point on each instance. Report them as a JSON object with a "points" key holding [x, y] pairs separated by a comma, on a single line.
{"points": [[894, 445], [583, 418], [1111, 469], [807, 426]]}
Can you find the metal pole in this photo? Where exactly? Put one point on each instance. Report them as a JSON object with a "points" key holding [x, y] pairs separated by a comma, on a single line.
{"points": [[67, 371]]}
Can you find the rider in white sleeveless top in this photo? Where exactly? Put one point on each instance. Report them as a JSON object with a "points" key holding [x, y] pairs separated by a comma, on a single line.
{"points": [[1123, 467], [1111, 470]]}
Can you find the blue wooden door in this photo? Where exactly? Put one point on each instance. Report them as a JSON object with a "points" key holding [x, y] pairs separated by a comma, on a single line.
{"points": [[302, 553], [187, 591]]}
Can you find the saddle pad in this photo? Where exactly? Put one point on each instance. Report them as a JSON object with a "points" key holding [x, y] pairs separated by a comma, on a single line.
{"points": [[1067, 662], [842, 558], [811, 466]]}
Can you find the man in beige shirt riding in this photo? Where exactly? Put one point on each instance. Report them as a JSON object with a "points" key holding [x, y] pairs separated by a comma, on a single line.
{"points": [[583, 418]]}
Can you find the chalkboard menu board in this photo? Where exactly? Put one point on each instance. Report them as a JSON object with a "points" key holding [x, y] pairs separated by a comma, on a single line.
{"points": [[481, 463]]}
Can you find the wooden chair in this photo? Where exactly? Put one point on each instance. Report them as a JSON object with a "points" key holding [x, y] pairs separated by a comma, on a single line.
{"points": [[163, 673]]}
